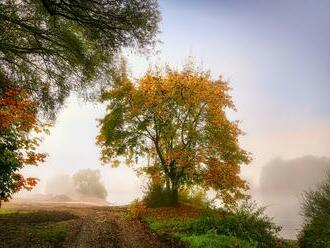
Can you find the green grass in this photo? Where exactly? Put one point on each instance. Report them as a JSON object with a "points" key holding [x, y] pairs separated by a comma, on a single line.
{"points": [[179, 228], [211, 240], [6, 212], [53, 234], [168, 225], [240, 230]]}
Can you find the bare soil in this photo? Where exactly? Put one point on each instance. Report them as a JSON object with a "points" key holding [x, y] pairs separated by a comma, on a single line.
{"points": [[92, 226]]}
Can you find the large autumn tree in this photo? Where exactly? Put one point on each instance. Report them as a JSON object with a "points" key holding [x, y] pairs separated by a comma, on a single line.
{"points": [[19, 138], [52, 47], [177, 121]]}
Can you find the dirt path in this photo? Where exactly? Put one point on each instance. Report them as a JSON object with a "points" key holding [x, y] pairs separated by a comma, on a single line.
{"points": [[98, 227], [109, 228]]}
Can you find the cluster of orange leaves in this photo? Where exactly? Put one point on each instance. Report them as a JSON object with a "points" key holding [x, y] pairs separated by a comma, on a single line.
{"points": [[24, 183], [18, 110], [226, 181]]}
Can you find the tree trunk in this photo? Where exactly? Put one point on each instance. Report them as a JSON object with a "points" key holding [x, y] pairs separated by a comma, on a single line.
{"points": [[0, 203], [168, 185], [174, 197], [174, 193]]}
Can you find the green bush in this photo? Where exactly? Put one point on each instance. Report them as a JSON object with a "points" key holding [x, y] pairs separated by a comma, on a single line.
{"points": [[246, 227], [157, 196], [316, 210], [211, 240], [247, 224], [316, 233], [194, 196]]}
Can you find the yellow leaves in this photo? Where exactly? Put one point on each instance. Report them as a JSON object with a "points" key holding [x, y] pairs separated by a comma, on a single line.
{"points": [[182, 116], [156, 177], [37, 129], [107, 156], [225, 180], [33, 158], [115, 163], [159, 88], [129, 160]]}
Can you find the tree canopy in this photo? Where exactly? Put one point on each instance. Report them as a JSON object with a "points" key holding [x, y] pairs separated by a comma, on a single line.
{"points": [[177, 121], [54, 46]]}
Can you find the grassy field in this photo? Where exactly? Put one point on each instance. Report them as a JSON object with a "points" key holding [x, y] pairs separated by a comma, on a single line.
{"points": [[33, 228], [197, 228], [178, 227]]}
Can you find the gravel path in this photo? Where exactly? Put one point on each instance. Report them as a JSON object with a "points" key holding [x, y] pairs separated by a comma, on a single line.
{"points": [[109, 228]]}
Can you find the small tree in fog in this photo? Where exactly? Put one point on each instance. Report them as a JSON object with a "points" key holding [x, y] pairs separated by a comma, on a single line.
{"points": [[87, 182]]}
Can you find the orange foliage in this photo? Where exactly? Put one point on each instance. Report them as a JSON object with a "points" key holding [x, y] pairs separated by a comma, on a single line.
{"points": [[24, 183], [17, 108], [18, 121]]}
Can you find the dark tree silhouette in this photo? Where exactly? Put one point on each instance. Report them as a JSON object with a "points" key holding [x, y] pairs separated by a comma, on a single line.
{"points": [[55, 46]]}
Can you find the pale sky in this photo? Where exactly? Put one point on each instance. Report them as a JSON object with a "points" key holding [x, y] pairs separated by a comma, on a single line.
{"points": [[276, 56]]}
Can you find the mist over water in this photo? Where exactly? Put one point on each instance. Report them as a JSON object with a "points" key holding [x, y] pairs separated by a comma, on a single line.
{"points": [[281, 188]]}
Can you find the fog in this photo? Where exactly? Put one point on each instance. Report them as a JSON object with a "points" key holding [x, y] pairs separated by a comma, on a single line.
{"points": [[60, 184], [83, 186], [281, 187], [87, 183]]}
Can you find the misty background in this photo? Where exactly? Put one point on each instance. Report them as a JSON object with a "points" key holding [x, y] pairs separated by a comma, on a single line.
{"points": [[282, 185], [276, 56]]}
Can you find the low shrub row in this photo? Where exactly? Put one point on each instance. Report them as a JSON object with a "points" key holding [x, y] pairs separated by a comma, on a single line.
{"points": [[247, 227]]}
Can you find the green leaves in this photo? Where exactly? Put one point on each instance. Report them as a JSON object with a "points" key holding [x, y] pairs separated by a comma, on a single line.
{"points": [[54, 47], [316, 211]]}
